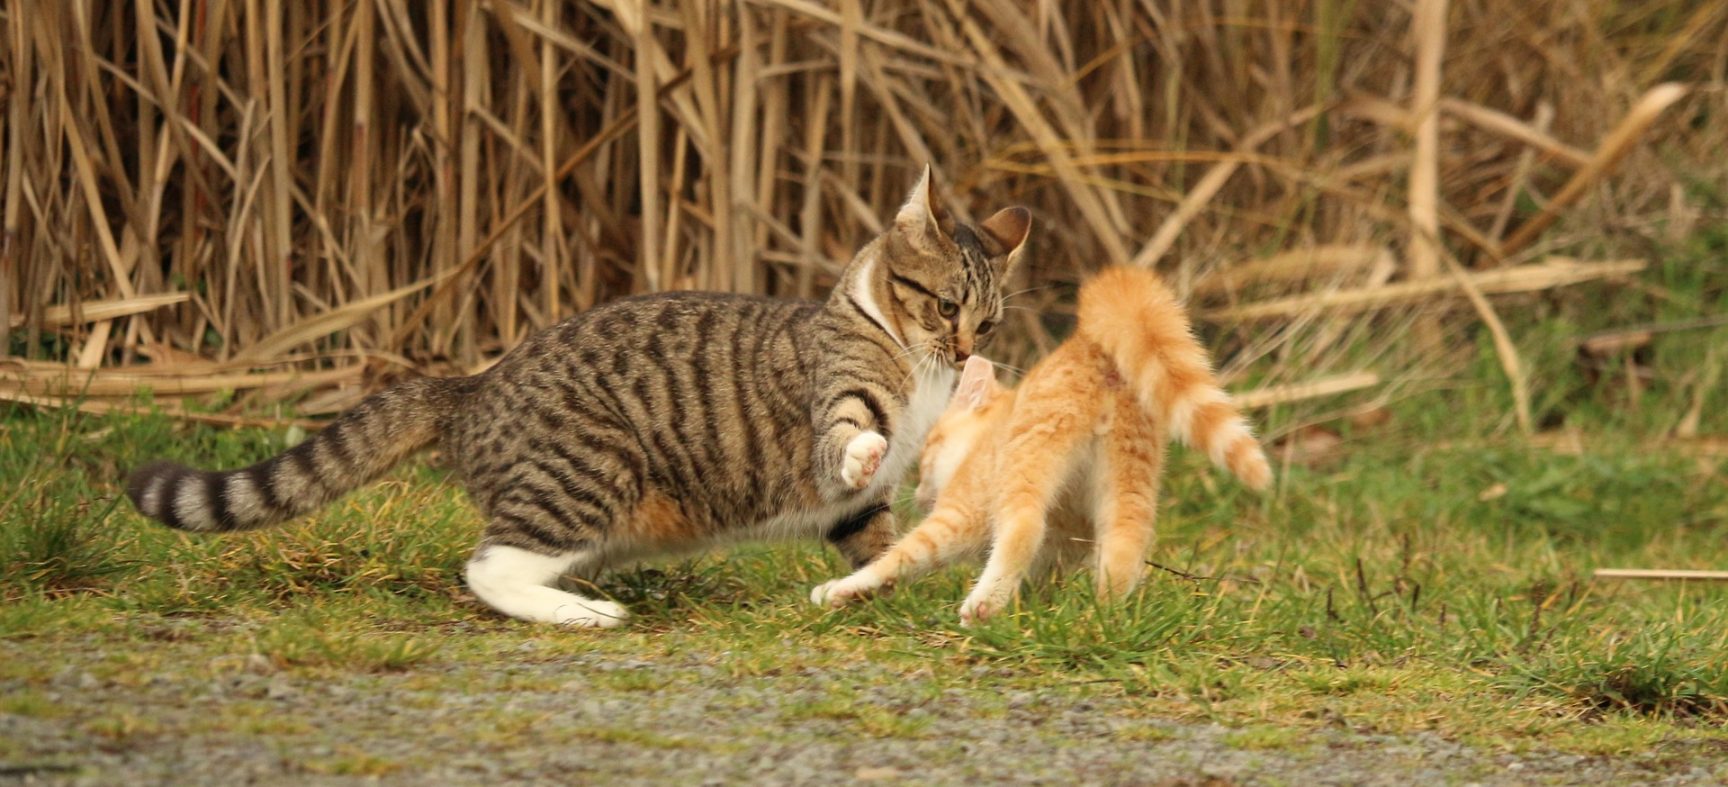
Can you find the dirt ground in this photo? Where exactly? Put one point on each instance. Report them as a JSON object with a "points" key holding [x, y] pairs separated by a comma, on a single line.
{"points": [[557, 718]]}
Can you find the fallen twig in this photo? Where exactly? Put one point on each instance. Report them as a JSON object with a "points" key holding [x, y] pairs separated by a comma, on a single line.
{"points": [[1661, 573]]}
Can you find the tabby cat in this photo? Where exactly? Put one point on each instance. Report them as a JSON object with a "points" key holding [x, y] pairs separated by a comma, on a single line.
{"points": [[664, 422], [1080, 442]]}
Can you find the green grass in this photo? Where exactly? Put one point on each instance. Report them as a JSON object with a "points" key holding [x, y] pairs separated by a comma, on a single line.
{"points": [[1383, 593], [1435, 578]]}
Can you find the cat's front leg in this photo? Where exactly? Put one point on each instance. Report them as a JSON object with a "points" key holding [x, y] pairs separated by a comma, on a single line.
{"points": [[853, 426]]}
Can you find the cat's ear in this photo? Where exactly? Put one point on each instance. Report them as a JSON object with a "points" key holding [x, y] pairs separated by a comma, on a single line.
{"points": [[923, 217], [1007, 232], [977, 380]]}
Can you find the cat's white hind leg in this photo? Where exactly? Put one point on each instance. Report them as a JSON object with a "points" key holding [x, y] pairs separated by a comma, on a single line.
{"points": [[519, 583]]}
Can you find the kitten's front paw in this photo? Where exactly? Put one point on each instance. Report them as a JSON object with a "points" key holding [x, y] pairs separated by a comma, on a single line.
{"points": [[840, 592], [863, 459], [981, 605]]}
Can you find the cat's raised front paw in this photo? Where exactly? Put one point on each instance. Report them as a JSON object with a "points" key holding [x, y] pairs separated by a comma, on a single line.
{"points": [[863, 459]]}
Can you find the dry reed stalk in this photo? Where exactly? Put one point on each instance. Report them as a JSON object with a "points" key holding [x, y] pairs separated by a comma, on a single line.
{"points": [[1208, 187], [1508, 126], [1428, 26], [1609, 153], [324, 180], [103, 311], [1311, 389], [1297, 265], [1552, 273], [1504, 349], [69, 382]]}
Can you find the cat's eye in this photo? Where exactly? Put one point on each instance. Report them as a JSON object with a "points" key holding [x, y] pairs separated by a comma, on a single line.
{"points": [[985, 327], [947, 308]]}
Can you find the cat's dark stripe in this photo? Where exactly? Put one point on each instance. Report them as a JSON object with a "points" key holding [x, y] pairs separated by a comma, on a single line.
{"points": [[871, 403], [575, 500], [216, 491], [851, 525], [913, 285], [263, 481], [167, 500], [527, 533]]}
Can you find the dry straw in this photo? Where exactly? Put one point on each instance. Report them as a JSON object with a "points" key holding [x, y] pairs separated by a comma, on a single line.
{"points": [[279, 197]]}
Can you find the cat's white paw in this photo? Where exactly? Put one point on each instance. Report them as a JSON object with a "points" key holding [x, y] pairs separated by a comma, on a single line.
{"points": [[863, 459], [590, 613], [838, 593]]}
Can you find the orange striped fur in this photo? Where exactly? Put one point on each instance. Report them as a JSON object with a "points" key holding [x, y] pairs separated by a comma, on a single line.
{"points": [[1068, 463]]}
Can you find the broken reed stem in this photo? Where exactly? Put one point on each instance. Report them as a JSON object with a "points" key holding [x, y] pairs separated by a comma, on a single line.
{"points": [[1310, 389], [1609, 153], [1504, 349]]}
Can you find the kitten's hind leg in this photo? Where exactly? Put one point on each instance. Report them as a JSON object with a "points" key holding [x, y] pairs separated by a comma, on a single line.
{"points": [[1125, 500], [519, 582], [1045, 438]]}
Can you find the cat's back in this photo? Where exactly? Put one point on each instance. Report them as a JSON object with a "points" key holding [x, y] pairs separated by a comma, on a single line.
{"points": [[657, 322], [704, 396]]}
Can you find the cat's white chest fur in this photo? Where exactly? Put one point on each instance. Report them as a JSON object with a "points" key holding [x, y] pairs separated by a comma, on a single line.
{"points": [[930, 394]]}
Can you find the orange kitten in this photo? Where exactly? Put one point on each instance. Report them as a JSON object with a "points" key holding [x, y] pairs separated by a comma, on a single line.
{"points": [[1072, 456]]}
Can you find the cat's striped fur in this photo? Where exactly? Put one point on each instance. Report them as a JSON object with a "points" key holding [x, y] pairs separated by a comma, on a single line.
{"points": [[664, 422], [1073, 455]]}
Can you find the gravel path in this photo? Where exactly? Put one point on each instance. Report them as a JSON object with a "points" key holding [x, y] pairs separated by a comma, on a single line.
{"points": [[593, 719]]}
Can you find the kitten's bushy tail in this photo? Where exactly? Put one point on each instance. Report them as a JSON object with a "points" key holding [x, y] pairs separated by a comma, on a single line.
{"points": [[1138, 322], [356, 448]]}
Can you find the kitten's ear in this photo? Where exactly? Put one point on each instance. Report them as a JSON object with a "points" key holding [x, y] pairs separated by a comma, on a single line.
{"points": [[1007, 232], [922, 217], [977, 379]]}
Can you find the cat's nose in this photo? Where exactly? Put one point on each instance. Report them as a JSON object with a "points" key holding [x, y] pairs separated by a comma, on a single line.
{"points": [[960, 356]]}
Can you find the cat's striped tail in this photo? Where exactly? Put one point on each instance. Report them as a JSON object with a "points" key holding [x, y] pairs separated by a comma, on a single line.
{"points": [[1135, 320], [353, 450]]}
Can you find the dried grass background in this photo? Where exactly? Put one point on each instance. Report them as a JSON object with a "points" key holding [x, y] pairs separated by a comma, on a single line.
{"points": [[281, 197]]}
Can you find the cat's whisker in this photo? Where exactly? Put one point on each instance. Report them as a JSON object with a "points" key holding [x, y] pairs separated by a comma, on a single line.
{"points": [[1027, 290]]}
